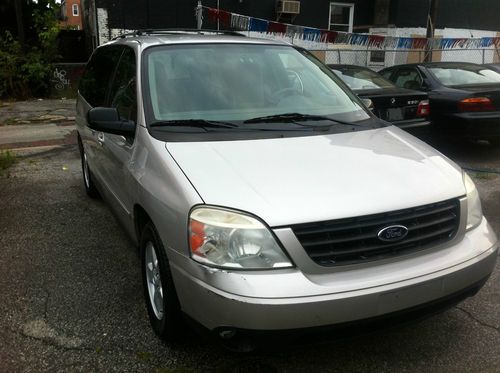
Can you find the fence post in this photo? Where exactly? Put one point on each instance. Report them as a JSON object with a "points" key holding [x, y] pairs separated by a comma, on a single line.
{"points": [[484, 51], [338, 52], [199, 15]]}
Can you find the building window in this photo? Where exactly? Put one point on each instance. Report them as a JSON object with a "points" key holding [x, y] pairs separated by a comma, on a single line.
{"points": [[377, 57], [341, 17], [75, 10]]}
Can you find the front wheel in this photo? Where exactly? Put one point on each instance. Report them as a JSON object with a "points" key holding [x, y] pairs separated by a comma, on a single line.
{"points": [[159, 290]]}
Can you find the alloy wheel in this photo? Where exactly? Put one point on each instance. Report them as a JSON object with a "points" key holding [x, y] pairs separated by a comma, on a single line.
{"points": [[153, 278]]}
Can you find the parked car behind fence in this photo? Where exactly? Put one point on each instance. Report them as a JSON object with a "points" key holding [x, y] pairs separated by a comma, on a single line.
{"points": [[405, 108], [464, 97]]}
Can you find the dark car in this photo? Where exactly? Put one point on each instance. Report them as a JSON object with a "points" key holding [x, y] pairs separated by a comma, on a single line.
{"points": [[464, 97], [494, 66], [407, 109]]}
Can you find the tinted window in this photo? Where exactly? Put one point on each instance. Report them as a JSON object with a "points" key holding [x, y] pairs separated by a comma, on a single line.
{"points": [[465, 74], [386, 74], [123, 94], [95, 81], [357, 78], [408, 78]]}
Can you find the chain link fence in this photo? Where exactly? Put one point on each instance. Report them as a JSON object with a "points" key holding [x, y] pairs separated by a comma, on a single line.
{"points": [[377, 59]]}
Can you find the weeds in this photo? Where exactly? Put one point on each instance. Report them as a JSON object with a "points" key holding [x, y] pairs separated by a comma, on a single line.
{"points": [[8, 122], [484, 175], [7, 159]]}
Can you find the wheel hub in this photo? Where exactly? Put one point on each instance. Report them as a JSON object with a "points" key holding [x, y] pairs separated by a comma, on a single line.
{"points": [[153, 278]]}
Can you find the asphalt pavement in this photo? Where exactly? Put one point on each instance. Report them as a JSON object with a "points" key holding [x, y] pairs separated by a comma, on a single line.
{"points": [[36, 123], [71, 295]]}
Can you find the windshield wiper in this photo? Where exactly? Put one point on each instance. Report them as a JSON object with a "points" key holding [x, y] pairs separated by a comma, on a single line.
{"points": [[206, 124], [200, 123], [294, 117]]}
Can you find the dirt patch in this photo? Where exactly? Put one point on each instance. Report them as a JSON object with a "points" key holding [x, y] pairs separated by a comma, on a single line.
{"points": [[39, 329]]}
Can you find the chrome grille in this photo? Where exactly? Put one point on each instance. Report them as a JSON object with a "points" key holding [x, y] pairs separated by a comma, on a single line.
{"points": [[355, 240]]}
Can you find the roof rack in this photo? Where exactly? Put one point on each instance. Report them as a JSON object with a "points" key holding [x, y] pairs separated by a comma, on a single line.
{"points": [[173, 31]]}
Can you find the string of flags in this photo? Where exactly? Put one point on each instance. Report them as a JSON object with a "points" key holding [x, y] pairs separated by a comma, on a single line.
{"points": [[245, 23]]}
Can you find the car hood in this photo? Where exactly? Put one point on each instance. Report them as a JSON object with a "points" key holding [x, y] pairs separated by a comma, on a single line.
{"points": [[314, 178]]}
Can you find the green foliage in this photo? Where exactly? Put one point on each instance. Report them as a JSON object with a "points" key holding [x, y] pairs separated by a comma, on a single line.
{"points": [[45, 23], [25, 71], [7, 159], [484, 176]]}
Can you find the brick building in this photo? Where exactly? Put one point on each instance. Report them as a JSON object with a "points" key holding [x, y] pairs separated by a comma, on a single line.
{"points": [[71, 14]]}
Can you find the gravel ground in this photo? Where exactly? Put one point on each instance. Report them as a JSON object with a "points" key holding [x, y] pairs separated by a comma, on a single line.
{"points": [[72, 298]]}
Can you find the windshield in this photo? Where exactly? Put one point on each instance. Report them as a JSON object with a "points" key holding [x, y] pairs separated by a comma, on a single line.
{"points": [[362, 78], [239, 82], [464, 75]]}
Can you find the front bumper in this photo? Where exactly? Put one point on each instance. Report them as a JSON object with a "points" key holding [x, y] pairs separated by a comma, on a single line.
{"points": [[291, 299]]}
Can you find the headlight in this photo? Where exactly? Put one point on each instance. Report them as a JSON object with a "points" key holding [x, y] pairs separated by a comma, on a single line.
{"points": [[229, 239], [474, 211]]}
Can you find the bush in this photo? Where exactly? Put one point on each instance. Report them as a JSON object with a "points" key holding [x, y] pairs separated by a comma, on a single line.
{"points": [[25, 71], [22, 75]]}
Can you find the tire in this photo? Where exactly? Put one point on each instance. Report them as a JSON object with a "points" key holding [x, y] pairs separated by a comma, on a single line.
{"points": [[88, 183], [159, 290]]}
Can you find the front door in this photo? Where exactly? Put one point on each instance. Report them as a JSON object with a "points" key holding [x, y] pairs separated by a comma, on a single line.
{"points": [[93, 89], [118, 150]]}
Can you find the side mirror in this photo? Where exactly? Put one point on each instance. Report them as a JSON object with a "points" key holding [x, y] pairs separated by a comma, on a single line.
{"points": [[368, 103], [107, 119]]}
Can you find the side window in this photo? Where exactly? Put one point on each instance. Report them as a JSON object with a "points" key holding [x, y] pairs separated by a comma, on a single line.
{"points": [[123, 94], [408, 78], [95, 81]]}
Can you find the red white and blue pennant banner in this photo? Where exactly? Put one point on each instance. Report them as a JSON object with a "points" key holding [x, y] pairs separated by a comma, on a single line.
{"points": [[245, 23]]}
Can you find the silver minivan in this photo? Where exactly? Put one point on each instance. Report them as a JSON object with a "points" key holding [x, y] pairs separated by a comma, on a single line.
{"points": [[264, 196]]}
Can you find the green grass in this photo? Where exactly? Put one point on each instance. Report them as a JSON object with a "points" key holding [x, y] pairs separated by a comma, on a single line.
{"points": [[484, 175], [144, 355], [173, 370], [8, 122], [7, 159]]}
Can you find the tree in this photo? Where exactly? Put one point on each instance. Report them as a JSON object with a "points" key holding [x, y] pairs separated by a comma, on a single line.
{"points": [[28, 47]]}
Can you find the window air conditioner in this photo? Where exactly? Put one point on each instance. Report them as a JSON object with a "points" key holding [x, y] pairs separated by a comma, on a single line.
{"points": [[289, 7]]}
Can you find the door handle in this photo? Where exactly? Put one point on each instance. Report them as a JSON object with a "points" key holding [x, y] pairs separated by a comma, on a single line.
{"points": [[100, 138], [121, 141]]}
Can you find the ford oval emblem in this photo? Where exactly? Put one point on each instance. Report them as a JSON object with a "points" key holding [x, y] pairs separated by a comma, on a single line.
{"points": [[392, 233]]}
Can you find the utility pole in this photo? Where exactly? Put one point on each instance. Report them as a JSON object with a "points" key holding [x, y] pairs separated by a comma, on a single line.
{"points": [[431, 26], [20, 22]]}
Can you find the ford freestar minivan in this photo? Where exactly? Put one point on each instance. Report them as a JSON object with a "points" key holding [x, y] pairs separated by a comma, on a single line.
{"points": [[264, 196]]}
